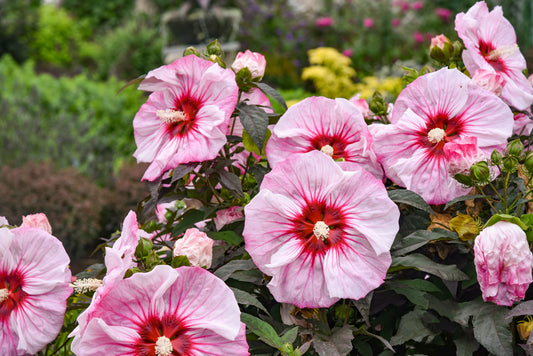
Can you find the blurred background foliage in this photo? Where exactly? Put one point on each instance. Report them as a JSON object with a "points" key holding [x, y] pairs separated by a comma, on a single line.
{"points": [[67, 136]]}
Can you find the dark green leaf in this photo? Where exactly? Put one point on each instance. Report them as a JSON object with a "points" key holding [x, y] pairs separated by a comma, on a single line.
{"points": [[229, 236], [181, 170], [412, 327], [363, 331], [491, 329], [465, 345], [268, 90], [524, 308], [418, 239], [187, 221], [290, 336], [255, 122], [227, 270], [462, 198], [231, 182], [262, 329], [414, 290], [338, 344], [408, 197], [246, 299], [363, 307], [179, 261], [423, 263]]}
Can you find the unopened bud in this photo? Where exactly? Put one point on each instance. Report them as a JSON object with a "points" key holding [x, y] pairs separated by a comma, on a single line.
{"points": [[509, 164], [441, 49], [515, 148], [528, 161], [378, 106], [496, 157], [480, 171], [191, 50], [463, 179]]}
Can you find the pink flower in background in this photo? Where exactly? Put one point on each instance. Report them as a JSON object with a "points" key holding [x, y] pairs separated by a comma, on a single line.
{"points": [[333, 126], [34, 287], [118, 259], [226, 216], [254, 61], [361, 104], [321, 233], [39, 221], [395, 22], [431, 112], [444, 14], [522, 124], [489, 80], [417, 5], [186, 117], [503, 263], [347, 52], [418, 37], [368, 23], [197, 246], [490, 44], [324, 22], [183, 311]]}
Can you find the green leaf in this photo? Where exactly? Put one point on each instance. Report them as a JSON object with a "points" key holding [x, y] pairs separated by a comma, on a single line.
{"points": [[338, 344], [290, 336], [262, 329], [465, 345], [408, 197], [246, 299], [491, 329], [412, 327], [230, 237], [135, 81], [423, 263], [414, 290], [363, 331], [250, 145], [187, 221], [462, 198], [505, 217], [524, 308], [255, 122], [231, 182], [268, 90], [363, 307], [419, 238], [179, 261], [227, 270]]}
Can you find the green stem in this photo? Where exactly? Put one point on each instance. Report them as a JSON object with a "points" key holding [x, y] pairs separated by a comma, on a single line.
{"points": [[505, 186], [486, 198]]}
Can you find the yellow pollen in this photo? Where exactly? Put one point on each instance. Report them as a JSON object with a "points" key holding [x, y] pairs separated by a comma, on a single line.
{"points": [[327, 149], [321, 230], [436, 135], [4, 294], [502, 52], [163, 346], [171, 116]]}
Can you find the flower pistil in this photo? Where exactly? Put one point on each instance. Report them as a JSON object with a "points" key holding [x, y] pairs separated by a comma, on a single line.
{"points": [[436, 135], [171, 116], [4, 294], [321, 230], [163, 346]]}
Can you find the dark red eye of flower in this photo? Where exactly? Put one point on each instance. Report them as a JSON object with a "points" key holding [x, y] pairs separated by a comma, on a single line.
{"points": [[11, 293], [163, 337], [495, 56]]}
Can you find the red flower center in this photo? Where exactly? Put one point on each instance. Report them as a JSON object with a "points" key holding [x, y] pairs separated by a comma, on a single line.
{"points": [[439, 130], [186, 109], [320, 227], [169, 327], [337, 142], [11, 292], [489, 52]]}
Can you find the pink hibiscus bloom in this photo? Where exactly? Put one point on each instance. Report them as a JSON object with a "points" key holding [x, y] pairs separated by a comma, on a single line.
{"points": [[433, 111], [321, 233], [503, 263], [167, 312], [490, 43], [34, 288], [38, 220], [186, 117], [118, 259], [333, 126]]}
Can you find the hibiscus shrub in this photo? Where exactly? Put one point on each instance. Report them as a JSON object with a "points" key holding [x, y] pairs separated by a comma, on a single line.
{"points": [[331, 227]]}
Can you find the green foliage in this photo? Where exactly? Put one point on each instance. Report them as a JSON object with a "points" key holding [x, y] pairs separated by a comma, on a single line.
{"points": [[71, 121], [18, 23], [100, 13]]}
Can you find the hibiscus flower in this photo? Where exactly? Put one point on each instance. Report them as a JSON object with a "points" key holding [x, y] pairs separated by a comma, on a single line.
{"points": [[321, 233], [435, 110], [34, 288], [334, 126], [490, 43], [167, 311], [186, 117]]}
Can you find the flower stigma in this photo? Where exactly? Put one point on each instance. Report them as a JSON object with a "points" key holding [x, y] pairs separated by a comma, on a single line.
{"points": [[163, 346], [436, 135], [86, 284], [4, 294], [321, 230], [327, 149], [502, 52], [171, 116]]}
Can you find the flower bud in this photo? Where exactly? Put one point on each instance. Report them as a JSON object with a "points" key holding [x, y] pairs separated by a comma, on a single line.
{"points": [[515, 148], [39, 221], [480, 171], [441, 49], [463, 179], [378, 106], [528, 161], [496, 157], [197, 246], [254, 61], [191, 50], [509, 164]]}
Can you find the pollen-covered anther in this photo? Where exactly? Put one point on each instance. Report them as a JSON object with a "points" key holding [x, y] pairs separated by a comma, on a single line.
{"points": [[327, 149], [502, 52], [321, 230], [163, 346], [4, 294], [86, 284], [171, 116], [436, 135]]}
